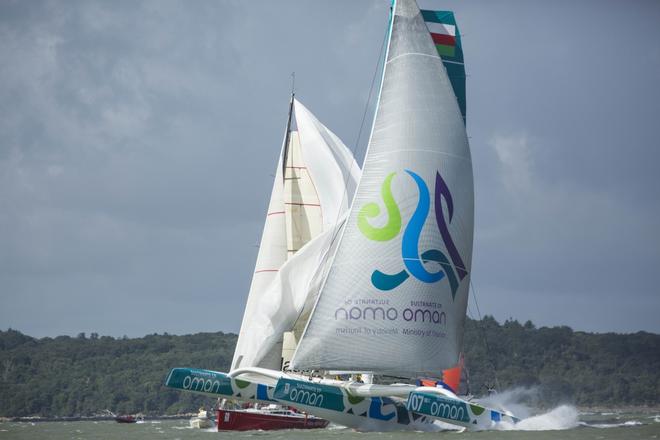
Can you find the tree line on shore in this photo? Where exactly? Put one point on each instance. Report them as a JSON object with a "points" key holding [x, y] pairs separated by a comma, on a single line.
{"points": [[84, 375]]}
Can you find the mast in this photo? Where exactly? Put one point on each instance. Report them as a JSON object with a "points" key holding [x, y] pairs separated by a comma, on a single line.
{"points": [[273, 253], [287, 135]]}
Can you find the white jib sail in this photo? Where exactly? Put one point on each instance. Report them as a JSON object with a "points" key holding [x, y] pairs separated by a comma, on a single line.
{"points": [[395, 297], [321, 176], [334, 170], [272, 255]]}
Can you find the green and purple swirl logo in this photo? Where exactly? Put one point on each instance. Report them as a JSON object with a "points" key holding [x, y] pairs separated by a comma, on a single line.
{"points": [[413, 258]]}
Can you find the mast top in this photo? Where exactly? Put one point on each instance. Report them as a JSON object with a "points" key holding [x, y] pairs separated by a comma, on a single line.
{"points": [[287, 135]]}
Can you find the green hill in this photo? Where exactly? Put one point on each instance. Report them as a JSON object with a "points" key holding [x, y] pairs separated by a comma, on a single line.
{"points": [[66, 376], [607, 369]]}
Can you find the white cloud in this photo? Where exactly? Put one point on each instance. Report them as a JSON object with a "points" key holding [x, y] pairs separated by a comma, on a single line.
{"points": [[515, 157]]}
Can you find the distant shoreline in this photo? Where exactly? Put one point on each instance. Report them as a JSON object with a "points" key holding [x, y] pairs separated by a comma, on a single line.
{"points": [[39, 419], [71, 377], [642, 409]]}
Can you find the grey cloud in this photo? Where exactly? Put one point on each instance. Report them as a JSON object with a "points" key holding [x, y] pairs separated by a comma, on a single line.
{"points": [[138, 142]]}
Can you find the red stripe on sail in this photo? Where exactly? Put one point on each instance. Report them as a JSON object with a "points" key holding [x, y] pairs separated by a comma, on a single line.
{"points": [[447, 40]]}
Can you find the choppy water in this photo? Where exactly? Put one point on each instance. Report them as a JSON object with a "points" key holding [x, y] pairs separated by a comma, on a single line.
{"points": [[563, 422]]}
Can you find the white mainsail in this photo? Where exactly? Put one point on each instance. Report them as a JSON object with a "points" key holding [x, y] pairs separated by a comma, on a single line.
{"points": [[395, 297], [305, 213]]}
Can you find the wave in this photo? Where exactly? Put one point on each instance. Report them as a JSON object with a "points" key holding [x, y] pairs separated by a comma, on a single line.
{"points": [[612, 425], [521, 401], [559, 418]]}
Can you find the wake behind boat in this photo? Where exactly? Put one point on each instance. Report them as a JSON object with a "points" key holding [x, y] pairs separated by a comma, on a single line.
{"points": [[379, 288]]}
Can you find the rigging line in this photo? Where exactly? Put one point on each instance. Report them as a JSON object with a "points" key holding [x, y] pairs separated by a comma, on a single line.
{"points": [[474, 298], [371, 90], [484, 335], [469, 312], [354, 150]]}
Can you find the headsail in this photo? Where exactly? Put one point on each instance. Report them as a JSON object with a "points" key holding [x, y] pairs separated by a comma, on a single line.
{"points": [[272, 255], [306, 209], [395, 297], [330, 163]]}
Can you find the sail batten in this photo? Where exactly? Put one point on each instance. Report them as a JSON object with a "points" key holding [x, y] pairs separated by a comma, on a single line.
{"points": [[394, 299]]}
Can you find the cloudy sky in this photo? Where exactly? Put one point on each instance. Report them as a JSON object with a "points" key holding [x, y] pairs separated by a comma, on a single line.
{"points": [[138, 142]]}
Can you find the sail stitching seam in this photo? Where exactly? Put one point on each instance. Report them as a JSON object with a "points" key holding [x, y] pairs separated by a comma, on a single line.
{"points": [[414, 53], [422, 150]]}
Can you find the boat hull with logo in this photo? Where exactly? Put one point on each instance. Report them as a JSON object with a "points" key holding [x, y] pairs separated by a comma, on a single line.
{"points": [[341, 403], [362, 407], [406, 408], [442, 405], [217, 384], [250, 419]]}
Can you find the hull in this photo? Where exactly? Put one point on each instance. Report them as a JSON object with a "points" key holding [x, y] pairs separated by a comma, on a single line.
{"points": [[421, 409], [424, 409], [452, 409], [338, 405], [245, 420], [216, 384]]}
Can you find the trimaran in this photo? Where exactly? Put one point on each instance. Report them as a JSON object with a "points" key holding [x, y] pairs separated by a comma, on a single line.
{"points": [[367, 272]]}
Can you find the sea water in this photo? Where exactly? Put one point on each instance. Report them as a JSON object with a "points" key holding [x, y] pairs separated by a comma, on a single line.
{"points": [[563, 422]]}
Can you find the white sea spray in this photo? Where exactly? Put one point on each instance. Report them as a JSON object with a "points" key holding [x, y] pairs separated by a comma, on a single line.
{"points": [[522, 402]]}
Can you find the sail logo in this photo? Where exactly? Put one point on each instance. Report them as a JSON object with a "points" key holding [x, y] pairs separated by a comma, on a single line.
{"points": [[308, 394], [305, 397], [201, 385], [438, 406], [414, 261], [202, 381]]}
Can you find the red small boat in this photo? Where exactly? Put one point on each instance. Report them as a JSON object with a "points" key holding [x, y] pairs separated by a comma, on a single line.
{"points": [[267, 418], [129, 419]]}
